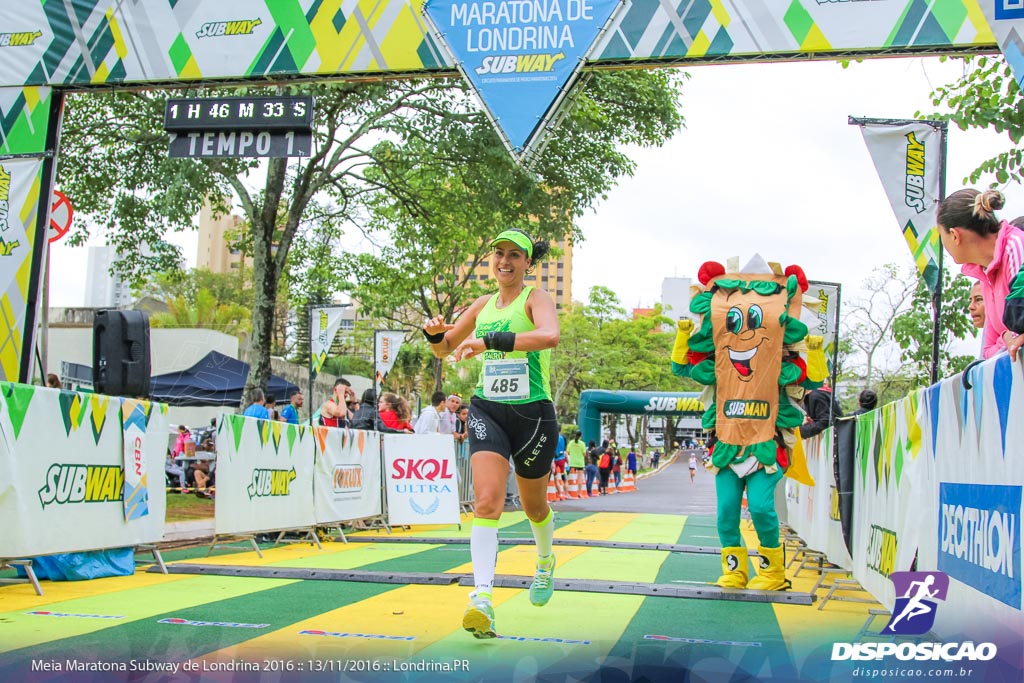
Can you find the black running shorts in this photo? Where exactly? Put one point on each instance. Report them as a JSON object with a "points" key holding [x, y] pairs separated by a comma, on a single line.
{"points": [[526, 432]]}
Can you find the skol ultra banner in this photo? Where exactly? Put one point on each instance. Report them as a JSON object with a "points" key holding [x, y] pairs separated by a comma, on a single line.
{"points": [[347, 483], [908, 159], [421, 479], [323, 325], [264, 476], [62, 474], [19, 204]]}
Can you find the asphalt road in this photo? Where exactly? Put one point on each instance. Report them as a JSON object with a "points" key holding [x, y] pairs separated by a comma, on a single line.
{"points": [[668, 490]]}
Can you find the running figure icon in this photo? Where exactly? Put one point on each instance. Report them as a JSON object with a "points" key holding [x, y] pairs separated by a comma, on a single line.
{"points": [[915, 606]]}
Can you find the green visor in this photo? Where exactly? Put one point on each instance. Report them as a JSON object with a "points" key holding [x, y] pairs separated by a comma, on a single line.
{"points": [[517, 238]]}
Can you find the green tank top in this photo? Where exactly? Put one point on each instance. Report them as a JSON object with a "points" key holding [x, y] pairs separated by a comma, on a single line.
{"points": [[508, 374]]}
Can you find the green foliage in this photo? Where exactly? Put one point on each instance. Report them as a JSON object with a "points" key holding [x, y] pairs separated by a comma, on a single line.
{"points": [[601, 348], [203, 311], [986, 97], [913, 330]]}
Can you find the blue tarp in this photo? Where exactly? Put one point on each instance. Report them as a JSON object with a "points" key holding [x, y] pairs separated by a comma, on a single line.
{"points": [[216, 380], [95, 564]]}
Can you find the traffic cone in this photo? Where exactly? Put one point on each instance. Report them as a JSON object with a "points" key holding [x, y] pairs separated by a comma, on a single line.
{"points": [[628, 483], [574, 486], [552, 491]]}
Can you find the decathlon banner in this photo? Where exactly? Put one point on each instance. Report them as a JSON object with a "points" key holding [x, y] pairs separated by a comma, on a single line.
{"points": [[141, 422], [813, 511], [973, 497], [323, 325], [347, 482], [264, 476], [420, 477], [520, 57], [19, 204], [62, 477], [1006, 17], [909, 157]]}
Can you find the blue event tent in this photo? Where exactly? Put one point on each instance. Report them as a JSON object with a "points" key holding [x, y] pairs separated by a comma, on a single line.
{"points": [[216, 380]]}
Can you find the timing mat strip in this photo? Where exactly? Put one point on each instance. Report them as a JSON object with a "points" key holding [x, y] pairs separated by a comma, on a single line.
{"points": [[668, 547], [703, 592]]}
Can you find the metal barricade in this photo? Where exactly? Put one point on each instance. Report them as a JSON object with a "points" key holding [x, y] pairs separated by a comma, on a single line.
{"points": [[466, 495]]}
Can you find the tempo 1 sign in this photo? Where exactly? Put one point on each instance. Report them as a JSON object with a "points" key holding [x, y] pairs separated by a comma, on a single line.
{"points": [[206, 128], [242, 143]]}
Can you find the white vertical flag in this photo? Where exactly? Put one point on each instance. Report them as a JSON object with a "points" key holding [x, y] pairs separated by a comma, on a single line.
{"points": [[323, 324], [908, 159], [385, 350]]}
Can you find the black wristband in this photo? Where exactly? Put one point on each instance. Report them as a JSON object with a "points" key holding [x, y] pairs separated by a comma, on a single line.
{"points": [[500, 341], [434, 338]]}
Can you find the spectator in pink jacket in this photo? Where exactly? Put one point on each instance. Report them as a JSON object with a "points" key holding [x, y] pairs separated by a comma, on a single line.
{"points": [[991, 251]]}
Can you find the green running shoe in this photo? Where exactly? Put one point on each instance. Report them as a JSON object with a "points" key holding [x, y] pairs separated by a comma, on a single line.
{"points": [[479, 619], [543, 585]]}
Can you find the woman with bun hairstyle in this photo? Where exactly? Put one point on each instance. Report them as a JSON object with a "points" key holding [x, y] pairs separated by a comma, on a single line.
{"points": [[511, 415], [991, 251]]}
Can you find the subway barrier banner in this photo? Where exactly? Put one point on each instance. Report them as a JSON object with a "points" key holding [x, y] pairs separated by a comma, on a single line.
{"points": [[420, 476], [888, 524], [813, 511], [1006, 17], [62, 468], [908, 159], [264, 476], [347, 484]]}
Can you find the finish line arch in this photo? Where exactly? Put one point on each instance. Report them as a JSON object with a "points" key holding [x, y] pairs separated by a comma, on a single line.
{"points": [[593, 402], [50, 49]]}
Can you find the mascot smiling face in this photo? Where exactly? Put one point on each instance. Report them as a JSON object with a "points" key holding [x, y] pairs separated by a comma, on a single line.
{"points": [[747, 332]]}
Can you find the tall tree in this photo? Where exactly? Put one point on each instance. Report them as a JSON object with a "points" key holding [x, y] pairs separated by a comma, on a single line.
{"points": [[426, 249]]}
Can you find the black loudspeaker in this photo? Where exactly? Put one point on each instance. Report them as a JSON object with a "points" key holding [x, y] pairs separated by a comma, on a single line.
{"points": [[120, 353]]}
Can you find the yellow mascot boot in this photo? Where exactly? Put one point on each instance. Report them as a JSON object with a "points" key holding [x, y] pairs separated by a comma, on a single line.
{"points": [[734, 568], [771, 571]]}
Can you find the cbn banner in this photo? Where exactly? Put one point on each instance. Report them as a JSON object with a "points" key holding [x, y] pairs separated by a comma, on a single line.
{"points": [[324, 323], [421, 479], [19, 204], [144, 426], [909, 160], [62, 472], [264, 475], [347, 484]]}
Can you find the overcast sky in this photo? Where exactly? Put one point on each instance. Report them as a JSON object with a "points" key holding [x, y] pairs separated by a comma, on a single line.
{"points": [[767, 163]]}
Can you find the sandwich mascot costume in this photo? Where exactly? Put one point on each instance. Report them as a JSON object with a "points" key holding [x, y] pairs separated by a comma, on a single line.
{"points": [[752, 354]]}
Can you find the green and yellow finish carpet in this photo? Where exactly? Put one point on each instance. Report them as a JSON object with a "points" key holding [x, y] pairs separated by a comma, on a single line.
{"points": [[182, 627]]}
